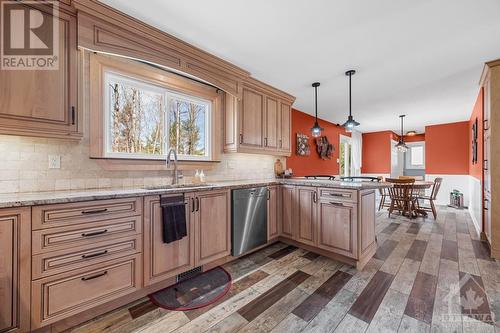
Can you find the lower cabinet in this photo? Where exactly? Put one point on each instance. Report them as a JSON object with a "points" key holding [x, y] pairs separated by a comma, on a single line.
{"points": [[162, 260], [337, 227], [208, 218], [272, 212], [306, 214], [287, 211], [15, 273], [212, 226]]}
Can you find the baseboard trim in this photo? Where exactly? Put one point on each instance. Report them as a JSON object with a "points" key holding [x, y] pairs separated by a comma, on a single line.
{"points": [[474, 221]]}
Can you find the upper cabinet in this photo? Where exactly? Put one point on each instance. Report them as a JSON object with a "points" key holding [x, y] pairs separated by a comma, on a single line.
{"points": [[259, 122], [43, 102]]}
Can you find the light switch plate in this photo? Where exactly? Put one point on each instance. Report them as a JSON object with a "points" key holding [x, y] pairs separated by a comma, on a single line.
{"points": [[54, 161]]}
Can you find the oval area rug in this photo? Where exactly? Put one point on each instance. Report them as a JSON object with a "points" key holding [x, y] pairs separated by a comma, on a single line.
{"points": [[196, 292]]}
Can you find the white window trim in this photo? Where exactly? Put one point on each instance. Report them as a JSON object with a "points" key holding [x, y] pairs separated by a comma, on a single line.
{"points": [[166, 93], [408, 164]]}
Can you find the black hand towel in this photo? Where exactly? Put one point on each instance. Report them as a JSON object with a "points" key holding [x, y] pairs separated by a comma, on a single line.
{"points": [[174, 218]]}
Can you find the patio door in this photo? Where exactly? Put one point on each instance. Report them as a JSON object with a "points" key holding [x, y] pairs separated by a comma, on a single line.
{"points": [[345, 157]]}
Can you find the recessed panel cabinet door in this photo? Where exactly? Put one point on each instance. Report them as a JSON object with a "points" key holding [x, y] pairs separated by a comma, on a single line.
{"points": [[287, 211], [43, 102], [15, 275], [272, 121], [252, 119], [337, 227], [272, 213], [285, 127], [306, 215], [213, 214], [164, 260]]}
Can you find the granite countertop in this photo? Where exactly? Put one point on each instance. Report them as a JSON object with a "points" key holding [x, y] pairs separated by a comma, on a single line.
{"points": [[54, 197]]}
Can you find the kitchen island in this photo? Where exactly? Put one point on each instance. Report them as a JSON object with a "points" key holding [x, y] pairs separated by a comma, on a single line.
{"points": [[106, 244]]}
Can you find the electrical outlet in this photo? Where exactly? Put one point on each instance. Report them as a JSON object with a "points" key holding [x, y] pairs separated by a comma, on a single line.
{"points": [[54, 161]]}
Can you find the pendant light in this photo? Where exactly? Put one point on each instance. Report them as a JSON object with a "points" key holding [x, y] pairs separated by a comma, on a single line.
{"points": [[350, 123], [316, 129], [401, 145]]}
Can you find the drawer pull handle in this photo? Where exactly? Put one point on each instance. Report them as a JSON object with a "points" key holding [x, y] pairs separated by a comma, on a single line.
{"points": [[92, 255], [87, 278], [96, 211], [340, 195], [95, 233], [337, 204]]}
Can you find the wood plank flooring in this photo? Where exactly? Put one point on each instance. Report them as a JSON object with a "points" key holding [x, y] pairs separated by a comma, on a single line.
{"points": [[427, 276]]}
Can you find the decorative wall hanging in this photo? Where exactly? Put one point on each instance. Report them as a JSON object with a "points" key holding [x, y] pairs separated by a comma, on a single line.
{"points": [[474, 141], [324, 148], [303, 148]]}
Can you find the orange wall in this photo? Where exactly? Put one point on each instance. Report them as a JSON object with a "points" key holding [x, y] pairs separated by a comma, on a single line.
{"points": [[415, 138], [376, 152], [476, 170], [313, 164], [447, 148]]}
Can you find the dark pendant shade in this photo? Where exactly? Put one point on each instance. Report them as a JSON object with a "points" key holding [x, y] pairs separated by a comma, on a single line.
{"points": [[316, 129], [350, 123], [401, 145]]}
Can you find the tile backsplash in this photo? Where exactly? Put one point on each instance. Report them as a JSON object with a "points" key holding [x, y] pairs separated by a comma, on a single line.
{"points": [[24, 167]]}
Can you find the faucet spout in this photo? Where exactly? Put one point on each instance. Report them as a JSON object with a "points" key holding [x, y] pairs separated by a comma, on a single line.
{"points": [[175, 178]]}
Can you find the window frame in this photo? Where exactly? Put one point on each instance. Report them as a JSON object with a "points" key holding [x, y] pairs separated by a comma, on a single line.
{"points": [[186, 87]]}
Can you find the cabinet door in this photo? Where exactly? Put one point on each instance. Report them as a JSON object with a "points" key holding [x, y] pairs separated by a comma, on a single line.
{"points": [[272, 213], [15, 274], [287, 211], [213, 226], [43, 102], [271, 124], [306, 214], [337, 230], [251, 119], [162, 260], [285, 127]]}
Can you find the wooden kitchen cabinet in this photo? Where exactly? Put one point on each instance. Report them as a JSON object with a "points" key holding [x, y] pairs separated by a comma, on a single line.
{"points": [[15, 270], [285, 127], [272, 117], [337, 227], [212, 214], [287, 211], [306, 209], [272, 212], [162, 260], [259, 121], [43, 103], [252, 119]]}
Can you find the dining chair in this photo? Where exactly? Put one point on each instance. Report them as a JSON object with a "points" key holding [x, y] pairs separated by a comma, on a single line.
{"points": [[431, 198], [384, 193], [401, 194]]}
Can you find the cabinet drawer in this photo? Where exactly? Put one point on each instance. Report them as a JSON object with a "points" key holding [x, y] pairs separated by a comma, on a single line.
{"points": [[49, 216], [61, 261], [53, 239], [338, 194], [63, 295]]}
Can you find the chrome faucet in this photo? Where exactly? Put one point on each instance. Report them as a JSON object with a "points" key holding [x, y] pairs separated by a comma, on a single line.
{"points": [[176, 176]]}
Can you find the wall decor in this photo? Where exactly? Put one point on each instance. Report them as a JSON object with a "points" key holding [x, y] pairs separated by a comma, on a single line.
{"points": [[324, 148], [303, 148], [475, 131]]}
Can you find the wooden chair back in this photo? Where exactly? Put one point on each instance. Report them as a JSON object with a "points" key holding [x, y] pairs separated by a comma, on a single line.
{"points": [[402, 189], [436, 187]]}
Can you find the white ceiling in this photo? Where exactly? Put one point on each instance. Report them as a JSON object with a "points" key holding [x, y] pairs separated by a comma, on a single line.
{"points": [[421, 58]]}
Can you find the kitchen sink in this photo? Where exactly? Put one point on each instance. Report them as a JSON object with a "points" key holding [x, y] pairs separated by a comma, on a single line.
{"points": [[168, 187]]}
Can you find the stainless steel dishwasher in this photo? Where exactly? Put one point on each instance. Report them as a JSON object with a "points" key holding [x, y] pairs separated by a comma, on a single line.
{"points": [[249, 219]]}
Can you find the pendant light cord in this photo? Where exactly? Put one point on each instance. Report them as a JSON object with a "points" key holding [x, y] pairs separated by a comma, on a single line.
{"points": [[350, 101], [316, 102]]}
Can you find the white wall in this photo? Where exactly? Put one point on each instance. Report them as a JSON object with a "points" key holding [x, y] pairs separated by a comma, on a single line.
{"points": [[475, 202], [450, 183]]}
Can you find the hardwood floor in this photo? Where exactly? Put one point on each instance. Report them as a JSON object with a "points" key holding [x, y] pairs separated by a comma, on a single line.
{"points": [[427, 276]]}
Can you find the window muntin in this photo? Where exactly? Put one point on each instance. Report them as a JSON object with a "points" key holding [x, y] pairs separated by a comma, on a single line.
{"points": [[143, 121]]}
